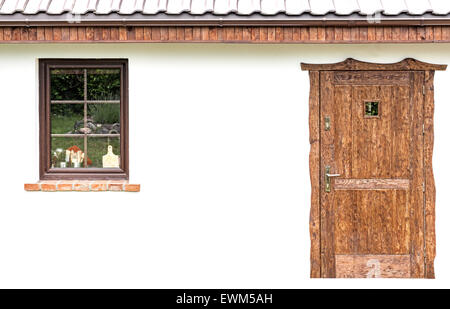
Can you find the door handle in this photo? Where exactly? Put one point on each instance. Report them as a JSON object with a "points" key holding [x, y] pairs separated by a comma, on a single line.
{"points": [[328, 178], [333, 175]]}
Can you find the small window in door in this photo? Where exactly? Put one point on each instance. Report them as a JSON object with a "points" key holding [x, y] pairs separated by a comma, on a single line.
{"points": [[371, 109]]}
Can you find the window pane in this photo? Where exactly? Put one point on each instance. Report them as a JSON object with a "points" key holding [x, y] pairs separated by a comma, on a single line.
{"points": [[105, 118], [371, 108], [66, 84], [66, 118], [103, 84], [98, 147], [58, 155]]}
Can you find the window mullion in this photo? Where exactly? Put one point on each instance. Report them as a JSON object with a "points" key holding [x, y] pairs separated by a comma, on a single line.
{"points": [[85, 119]]}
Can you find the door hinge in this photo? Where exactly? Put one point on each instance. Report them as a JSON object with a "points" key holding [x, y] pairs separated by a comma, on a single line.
{"points": [[423, 89], [423, 129]]}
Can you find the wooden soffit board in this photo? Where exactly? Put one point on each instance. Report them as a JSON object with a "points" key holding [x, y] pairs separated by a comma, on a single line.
{"points": [[78, 33]]}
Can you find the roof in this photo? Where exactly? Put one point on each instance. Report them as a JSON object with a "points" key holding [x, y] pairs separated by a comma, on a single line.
{"points": [[222, 10], [223, 7]]}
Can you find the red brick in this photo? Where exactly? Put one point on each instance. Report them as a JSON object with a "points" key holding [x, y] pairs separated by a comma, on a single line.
{"points": [[132, 187], [48, 187], [64, 186], [81, 186], [32, 187], [99, 186], [115, 186]]}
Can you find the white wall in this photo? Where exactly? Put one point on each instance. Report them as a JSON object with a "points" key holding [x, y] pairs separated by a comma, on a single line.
{"points": [[219, 142]]}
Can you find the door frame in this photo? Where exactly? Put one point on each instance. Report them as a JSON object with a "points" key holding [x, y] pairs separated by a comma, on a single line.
{"points": [[351, 64]]}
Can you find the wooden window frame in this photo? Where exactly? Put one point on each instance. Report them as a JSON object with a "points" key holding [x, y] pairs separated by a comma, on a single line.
{"points": [[45, 170]]}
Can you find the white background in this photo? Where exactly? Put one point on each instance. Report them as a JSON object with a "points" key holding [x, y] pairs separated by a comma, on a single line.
{"points": [[219, 143]]}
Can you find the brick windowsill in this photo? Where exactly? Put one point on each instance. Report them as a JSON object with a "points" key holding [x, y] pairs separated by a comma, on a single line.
{"points": [[83, 186]]}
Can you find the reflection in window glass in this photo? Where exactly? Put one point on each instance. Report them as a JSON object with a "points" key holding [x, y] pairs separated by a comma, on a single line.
{"points": [[66, 118], [105, 117], [66, 85], [103, 84], [98, 147]]}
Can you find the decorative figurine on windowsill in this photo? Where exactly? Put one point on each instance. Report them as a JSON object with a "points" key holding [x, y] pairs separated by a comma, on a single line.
{"points": [[110, 160], [56, 156], [75, 157]]}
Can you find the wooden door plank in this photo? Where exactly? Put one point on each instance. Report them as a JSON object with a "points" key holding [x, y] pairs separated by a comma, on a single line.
{"points": [[373, 266], [342, 113], [430, 190], [401, 133], [417, 177], [344, 202], [345, 235], [314, 173], [327, 158], [371, 184]]}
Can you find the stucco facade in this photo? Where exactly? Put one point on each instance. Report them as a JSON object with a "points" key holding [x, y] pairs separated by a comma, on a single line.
{"points": [[219, 143]]}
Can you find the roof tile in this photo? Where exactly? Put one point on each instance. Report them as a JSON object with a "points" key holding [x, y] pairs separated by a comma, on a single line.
{"points": [[297, 7], [370, 7], [247, 7], [321, 7], [394, 7], [418, 7], [178, 6], [345, 7], [440, 7], [80, 7], [201, 6]]}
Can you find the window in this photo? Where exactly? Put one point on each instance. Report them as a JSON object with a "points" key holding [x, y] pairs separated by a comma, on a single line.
{"points": [[371, 109], [83, 119]]}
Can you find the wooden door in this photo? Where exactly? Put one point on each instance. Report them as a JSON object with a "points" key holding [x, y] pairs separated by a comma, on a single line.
{"points": [[374, 141], [373, 215]]}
